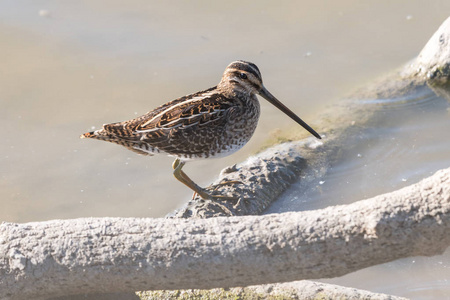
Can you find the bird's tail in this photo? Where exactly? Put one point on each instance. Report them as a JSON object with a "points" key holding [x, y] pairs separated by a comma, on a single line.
{"points": [[101, 134], [98, 135], [133, 145], [89, 135]]}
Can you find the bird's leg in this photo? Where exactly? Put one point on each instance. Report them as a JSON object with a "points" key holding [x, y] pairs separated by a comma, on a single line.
{"points": [[183, 178]]}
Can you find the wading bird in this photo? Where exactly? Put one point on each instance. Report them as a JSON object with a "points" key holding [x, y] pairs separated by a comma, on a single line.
{"points": [[208, 124]]}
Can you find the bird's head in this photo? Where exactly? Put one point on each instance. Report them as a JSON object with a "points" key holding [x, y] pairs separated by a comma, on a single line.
{"points": [[242, 77], [245, 78]]}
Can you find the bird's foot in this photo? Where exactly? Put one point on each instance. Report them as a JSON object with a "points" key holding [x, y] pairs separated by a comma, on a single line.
{"points": [[210, 196]]}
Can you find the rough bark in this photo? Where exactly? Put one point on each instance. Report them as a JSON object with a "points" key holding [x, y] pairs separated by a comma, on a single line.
{"points": [[433, 61], [261, 179], [64, 257]]}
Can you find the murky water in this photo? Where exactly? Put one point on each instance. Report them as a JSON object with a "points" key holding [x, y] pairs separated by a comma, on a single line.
{"points": [[68, 67], [407, 142]]}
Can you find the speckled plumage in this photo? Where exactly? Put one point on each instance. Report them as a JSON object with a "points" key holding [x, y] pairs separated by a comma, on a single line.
{"points": [[211, 123]]}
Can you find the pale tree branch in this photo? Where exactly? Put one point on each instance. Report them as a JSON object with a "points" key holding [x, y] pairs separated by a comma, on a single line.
{"points": [[95, 255]]}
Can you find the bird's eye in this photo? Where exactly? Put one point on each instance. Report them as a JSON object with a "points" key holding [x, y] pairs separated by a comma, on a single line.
{"points": [[243, 75]]}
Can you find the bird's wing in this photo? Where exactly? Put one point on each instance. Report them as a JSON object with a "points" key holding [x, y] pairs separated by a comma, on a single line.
{"points": [[149, 121], [199, 118], [197, 110]]}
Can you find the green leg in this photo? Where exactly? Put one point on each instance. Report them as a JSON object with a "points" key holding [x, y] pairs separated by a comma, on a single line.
{"points": [[183, 178]]}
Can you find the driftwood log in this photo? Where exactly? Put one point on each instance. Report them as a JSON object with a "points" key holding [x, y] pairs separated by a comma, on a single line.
{"points": [[95, 255], [67, 257]]}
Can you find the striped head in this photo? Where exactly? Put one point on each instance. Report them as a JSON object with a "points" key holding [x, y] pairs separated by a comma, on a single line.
{"points": [[242, 77], [245, 78]]}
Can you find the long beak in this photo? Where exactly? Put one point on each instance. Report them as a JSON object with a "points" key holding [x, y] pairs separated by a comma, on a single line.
{"points": [[269, 97]]}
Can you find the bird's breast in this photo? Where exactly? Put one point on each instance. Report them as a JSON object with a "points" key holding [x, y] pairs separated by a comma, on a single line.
{"points": [[224, 139]]}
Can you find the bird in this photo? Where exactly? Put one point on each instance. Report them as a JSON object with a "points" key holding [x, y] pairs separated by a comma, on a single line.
{"points": [[212, 123]]}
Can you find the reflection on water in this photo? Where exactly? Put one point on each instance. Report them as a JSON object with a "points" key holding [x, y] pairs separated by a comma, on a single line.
{"points": [[70, 66], [419, 97]]}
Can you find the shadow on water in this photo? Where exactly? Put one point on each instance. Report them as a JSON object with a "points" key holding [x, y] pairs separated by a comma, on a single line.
{"points": [[405, 142]]}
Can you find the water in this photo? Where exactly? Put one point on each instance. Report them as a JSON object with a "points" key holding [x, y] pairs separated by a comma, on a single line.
{"points": [[69, 67], [406, 143], [413, 278]]}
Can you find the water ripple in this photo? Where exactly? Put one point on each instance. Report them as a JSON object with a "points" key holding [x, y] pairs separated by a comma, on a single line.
{"points": [[419, 97]]}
